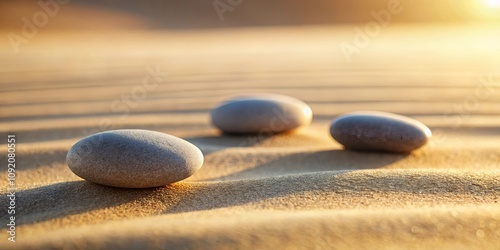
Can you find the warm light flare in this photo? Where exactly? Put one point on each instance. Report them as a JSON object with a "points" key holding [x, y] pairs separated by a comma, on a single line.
{"points": [[493, 3], [487, 9]]}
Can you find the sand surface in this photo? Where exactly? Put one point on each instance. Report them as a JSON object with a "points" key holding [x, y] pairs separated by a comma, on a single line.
{"points": [[294, 190]]}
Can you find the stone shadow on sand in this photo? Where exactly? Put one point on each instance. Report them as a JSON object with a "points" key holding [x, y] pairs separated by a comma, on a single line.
{"points": [[331, 184], [78, 197], [67, 198], [317, 161], [228, 140], [212, 143]]}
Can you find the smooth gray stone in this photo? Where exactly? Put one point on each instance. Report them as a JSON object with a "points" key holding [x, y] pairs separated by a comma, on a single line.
{"points": [[379, 131], [261, 113], [133, 158]]}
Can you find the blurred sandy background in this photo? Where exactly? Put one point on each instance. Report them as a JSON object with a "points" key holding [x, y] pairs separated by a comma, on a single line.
{"points": [[154, 14]]}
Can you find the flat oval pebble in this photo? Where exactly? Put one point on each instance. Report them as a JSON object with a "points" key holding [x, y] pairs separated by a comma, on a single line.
{"points": [[261, 113], [133, 158], [379, 131]]}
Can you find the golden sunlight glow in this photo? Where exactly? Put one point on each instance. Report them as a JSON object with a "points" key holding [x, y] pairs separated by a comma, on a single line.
{"points": [[486, 9], [493, 3]]}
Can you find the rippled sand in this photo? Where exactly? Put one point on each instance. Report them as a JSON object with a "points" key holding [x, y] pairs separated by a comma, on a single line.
{"points": [[295, 190]]}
